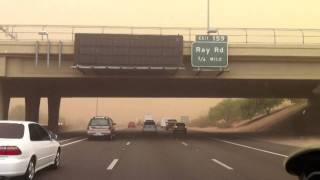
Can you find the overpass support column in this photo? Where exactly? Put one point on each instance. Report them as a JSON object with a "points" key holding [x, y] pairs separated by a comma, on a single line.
{"points": [[313, 113], [314, 104], [54, 109], [315, 101], [32, 108], [4, 103]]}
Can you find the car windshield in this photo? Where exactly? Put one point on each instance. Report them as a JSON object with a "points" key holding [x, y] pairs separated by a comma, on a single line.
{"points": [[183, 89], [99, 122], [11, 131]]}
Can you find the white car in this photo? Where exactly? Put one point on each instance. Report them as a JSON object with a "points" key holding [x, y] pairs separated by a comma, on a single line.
{"points": [[26, 148], [149, 126], [101, 126]]}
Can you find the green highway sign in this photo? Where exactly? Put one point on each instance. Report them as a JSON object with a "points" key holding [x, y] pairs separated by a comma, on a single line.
{"points": [[210, 51]]}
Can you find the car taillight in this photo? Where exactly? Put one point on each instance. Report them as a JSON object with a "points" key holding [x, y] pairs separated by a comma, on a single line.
{"points": [[9, 150]]}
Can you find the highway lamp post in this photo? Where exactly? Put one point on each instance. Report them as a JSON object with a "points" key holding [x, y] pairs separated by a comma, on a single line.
{"points": [[45, 33], [97, 103], [209, 30]]}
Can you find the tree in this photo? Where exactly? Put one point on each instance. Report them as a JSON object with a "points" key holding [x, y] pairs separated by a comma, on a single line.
{"points": [[297, 100], [228, 109], [248, 108], [267, 104]]}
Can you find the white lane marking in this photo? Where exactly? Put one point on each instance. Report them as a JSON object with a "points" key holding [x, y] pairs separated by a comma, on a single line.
{"points": [[249, 147], [184, 143], [222, 164], [128, 143], [61, 141], [112, 164], [73, 142]]}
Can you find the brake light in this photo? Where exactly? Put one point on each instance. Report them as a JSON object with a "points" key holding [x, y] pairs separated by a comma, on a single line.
{"points": [[9, 150]]}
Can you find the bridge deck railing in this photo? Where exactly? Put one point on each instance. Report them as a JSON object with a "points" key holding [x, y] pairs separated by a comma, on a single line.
{"points": [[236, 35]]}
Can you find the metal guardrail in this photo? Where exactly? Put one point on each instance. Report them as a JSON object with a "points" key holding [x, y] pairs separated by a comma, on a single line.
{"points": [[236, 35]]}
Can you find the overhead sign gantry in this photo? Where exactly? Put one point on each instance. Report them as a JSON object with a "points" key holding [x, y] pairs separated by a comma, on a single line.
{"points": [[105, 52]]}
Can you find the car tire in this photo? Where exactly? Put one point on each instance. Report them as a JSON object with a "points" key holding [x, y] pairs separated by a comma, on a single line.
{"points": [[31, 170], [90, 138], [110, 137], [57, 160]]}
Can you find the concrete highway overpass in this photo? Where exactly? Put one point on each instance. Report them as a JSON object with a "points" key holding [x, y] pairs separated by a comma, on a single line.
{"points": [[33, 69]]}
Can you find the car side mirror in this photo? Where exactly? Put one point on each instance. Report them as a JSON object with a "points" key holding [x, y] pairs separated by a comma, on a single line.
{"points": [[304, 163], [53, 136]]}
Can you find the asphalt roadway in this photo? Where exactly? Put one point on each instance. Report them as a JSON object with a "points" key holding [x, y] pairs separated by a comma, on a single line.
{"points": [[134, 155]]}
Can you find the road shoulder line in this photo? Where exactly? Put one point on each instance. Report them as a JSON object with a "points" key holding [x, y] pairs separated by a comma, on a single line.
{"points": [[80, 140], [249, 147]]}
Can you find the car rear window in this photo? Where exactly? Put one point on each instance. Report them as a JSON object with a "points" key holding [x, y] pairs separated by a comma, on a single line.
{"points": [[99, 122], [180, 124], [149, 123], [172, 121], [11, 131]]}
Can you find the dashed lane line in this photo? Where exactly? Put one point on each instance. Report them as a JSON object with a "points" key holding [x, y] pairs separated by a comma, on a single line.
{"points": [[184, 143], [222, 164], [112, 164], [64, 140], [80, 140]]}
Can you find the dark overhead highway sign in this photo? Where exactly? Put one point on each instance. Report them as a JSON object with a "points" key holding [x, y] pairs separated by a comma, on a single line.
{"points": [[210, 51], [124, 50]]}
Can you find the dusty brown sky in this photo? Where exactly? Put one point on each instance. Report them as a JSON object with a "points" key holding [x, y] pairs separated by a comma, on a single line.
{"points": [[225, 13], [126, 109], [80, 110]]}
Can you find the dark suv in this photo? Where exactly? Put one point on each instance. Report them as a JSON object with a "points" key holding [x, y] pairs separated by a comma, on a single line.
{"points": [[180, 128], [170, 124]]}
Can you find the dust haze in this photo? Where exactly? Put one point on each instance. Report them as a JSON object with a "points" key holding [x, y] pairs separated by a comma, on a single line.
{"points": [[76, 112]]}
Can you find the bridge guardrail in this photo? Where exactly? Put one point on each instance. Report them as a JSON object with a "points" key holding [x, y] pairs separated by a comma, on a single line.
{"points": [[236, 35]]}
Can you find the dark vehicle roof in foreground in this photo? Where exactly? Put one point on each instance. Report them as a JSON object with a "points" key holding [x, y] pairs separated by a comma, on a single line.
{"points": [[297, 162]]}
